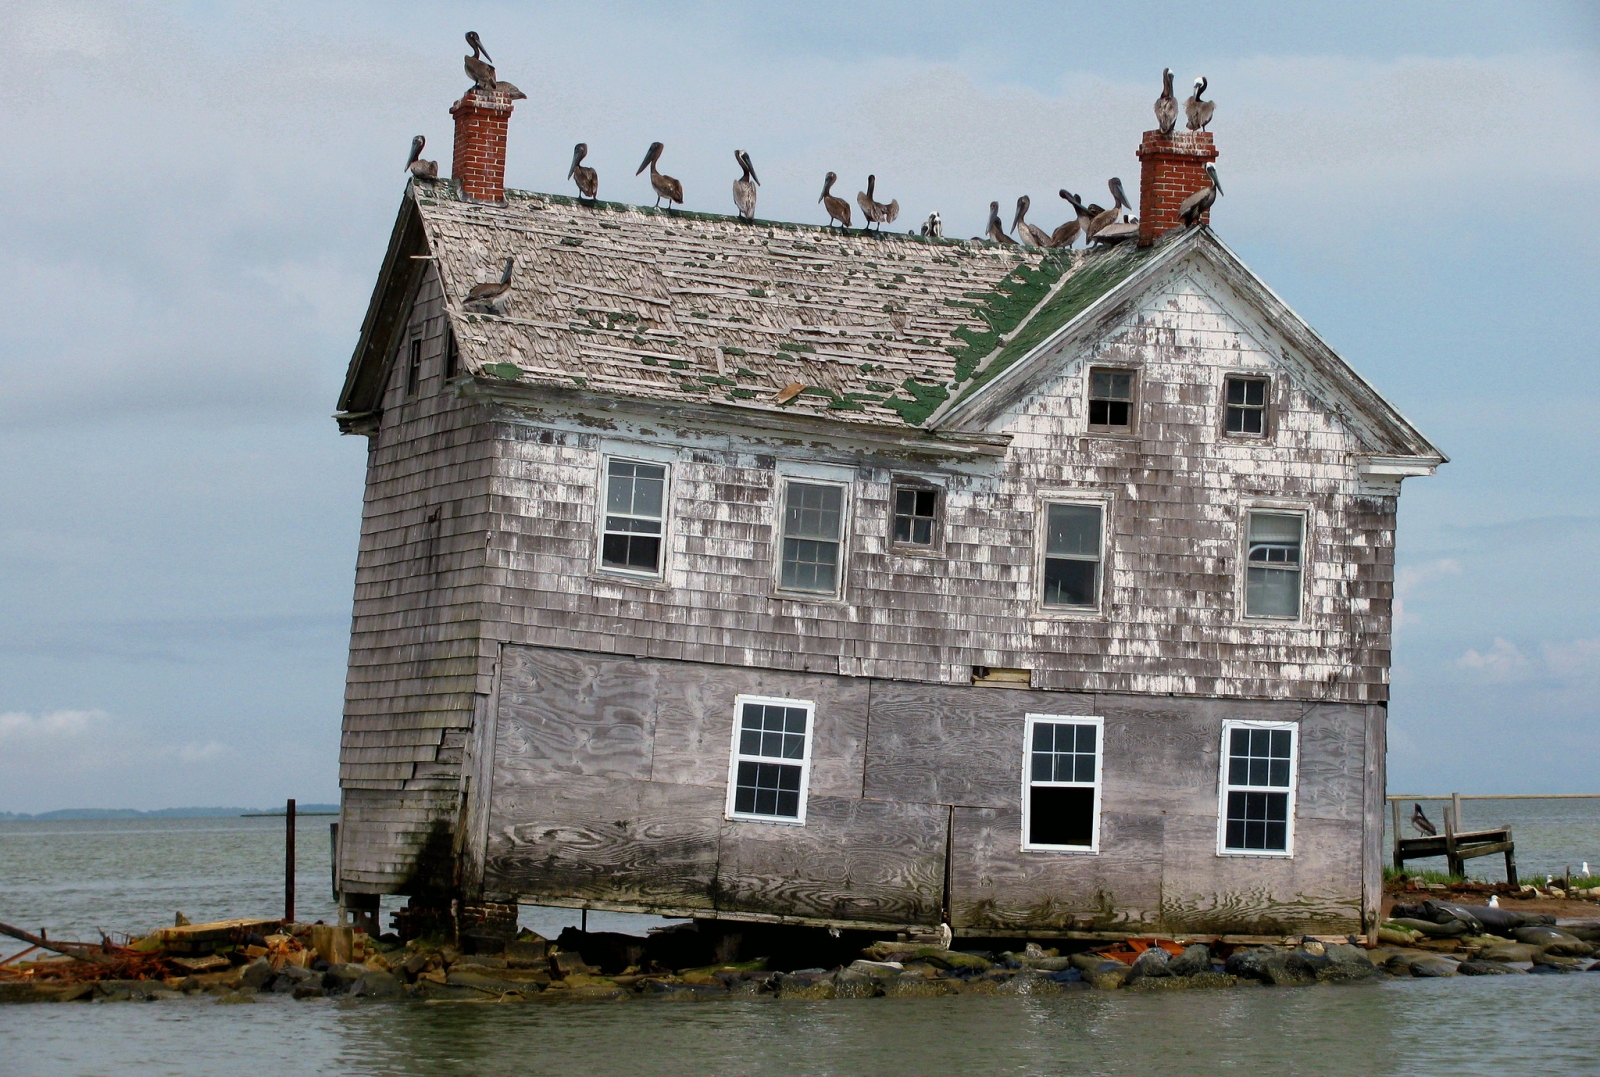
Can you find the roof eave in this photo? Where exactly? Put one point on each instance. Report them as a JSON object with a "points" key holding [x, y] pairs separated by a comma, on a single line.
{"points": [[364, 378]]}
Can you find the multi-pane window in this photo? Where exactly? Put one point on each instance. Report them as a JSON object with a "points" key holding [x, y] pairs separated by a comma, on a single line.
{"points": [[414, 367], [1258, 787], [635, 495], [813, 529], [1061, 808], [771, 759], [1072, 556], [1110, 399], [915, 511], [1247, 406], [1272, 565]]}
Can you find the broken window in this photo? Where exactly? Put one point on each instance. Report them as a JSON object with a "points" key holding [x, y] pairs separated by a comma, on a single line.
{"points": [[635, 496], [771, 759], [1062, 803], [452, 354], [1272, 565], [1110, 400], [1072, 556], [1247, 406], [1258, 787], [813, 529], [915, 515], [414, 367]]}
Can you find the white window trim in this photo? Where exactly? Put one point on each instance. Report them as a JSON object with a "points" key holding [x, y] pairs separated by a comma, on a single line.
{"points": [[815, 475], [1286, 853], [1097, 498], [603, 492], [1093, 848], [1306, 513], [734, 757]]}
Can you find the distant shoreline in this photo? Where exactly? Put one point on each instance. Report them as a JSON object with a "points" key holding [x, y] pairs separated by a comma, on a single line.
{"points": [[90, 814]]}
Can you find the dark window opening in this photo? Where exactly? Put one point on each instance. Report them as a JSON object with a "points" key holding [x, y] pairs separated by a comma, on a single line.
{"points": [[1110, 400], [1063, 776], [452, 354], [1258, 821], [915, 511], [414, 367], [1061, 815], [1247, 406]]}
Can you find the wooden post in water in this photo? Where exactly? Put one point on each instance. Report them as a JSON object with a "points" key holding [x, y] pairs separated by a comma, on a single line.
{"points": [[1399, 864], [288, 862]]}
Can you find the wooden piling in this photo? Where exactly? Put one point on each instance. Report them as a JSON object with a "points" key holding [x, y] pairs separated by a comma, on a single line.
{"points": [[288, 862]]}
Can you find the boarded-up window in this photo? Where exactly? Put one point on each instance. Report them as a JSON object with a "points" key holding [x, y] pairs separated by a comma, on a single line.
{"points": [[635, 496], [1072, 556], [916, 511], [1258, 788], [771, 759], [1062, 783], [1247, 406], [1272, 565], [813, 530], [1110, 400]]}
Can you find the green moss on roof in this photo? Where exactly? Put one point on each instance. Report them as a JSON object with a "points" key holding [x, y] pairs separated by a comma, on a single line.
{"points": [[924, 399]]}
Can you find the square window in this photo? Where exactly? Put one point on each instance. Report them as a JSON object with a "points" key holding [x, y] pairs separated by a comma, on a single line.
{"points": [[813, 530], [635, 500], [1247, 406], [1061, 793], [1272, 565], [1258, 787], [1110, 400], [915, 515], [1072, 556], [771, 759]]}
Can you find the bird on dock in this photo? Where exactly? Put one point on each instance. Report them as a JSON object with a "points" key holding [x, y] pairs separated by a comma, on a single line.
{"points": [[666, 187], [1421, 823], [996, 230], [587, 179], [1032, 235], [1066, 233], [876, 212], [838, 209], [492, 296], [422, 170], [933, 227], [744, 188], [1197, 203], [1198, 111], [481, 72], [1166, 105], [1107, 217]]}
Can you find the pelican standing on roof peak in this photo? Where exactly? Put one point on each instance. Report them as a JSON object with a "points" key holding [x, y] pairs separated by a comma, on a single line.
{"points": [[744, 188], [1166, 105], [481, 72], [422, 170], [996, 230], [1107, 217], [1201, 200], [665, 186], [1198, 111], [1032, 235], [587, 179], [1069, 230], [838, 209], [876, 212]]}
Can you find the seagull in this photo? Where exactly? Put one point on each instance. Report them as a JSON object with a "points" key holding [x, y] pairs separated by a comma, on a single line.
{"points": [[422, 170], [1494, 901], [1166, 105], [1421, 823], [744, 188], [838, 209], [587, 179], [492, 296], [665, 186], [1585, 870], [1032, 235], [996, 231], [481, 72], [1201, 200], [1198, 111], [933, 227]]}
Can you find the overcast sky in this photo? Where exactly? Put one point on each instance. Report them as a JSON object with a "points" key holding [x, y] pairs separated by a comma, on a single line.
{"points": [[200, 195]]}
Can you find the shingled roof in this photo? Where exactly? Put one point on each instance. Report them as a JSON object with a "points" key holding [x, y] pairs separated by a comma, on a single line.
{"points": [[634, 302]]}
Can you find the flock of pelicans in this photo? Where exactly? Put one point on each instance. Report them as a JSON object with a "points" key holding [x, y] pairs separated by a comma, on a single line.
{"points": [[1090, 221]]}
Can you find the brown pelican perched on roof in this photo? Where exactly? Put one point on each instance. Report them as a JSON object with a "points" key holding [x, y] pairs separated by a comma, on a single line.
{"points": [[1198, 111], [587, 179], [1108, 217], [1069, 231], [422, 170], [744, 188], [666, 187], [491, 296], [1201, 200], [1166, 105], [838, 209], [1032, 236], [996, 231], [876, 212], [481, 72]]}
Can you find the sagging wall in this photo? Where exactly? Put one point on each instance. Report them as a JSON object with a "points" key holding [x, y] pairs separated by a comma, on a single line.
{"points": [[610, 777]]}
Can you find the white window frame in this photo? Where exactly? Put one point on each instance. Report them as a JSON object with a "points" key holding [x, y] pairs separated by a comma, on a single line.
{"points": [[811, 476], [1093, 430], [1032, 720], [603, 497], [1089, 499], [1274, 508], [1223, 789], [735, 757]]}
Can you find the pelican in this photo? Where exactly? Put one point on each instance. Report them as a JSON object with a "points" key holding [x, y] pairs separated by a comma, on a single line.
{"points": [[666, 187], [420, 169], [1421, 822], [933, 227], [1201, 200], [1198, 111], [876, 212], [481, 72], [1108, 216], [587, 179], [1167, 105], [492, 296], [1068, 232], [996, 232], [744, 188], [838, 209], [1032, 236]]}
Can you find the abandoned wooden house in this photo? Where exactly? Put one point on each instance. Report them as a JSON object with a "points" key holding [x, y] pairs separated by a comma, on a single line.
{"points": [[770, 572]]}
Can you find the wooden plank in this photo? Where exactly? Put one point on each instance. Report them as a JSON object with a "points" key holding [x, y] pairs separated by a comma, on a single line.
{"points": [[565, 713]]}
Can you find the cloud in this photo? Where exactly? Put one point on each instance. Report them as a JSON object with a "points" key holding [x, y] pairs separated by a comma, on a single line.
{"points": [[1411, 578], [1557, 663], [17, 728], [70, 744], [1503, 661]]}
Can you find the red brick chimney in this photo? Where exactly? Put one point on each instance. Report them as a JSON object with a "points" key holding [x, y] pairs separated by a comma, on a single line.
{"points": [[479, 163], [1173, 167]]}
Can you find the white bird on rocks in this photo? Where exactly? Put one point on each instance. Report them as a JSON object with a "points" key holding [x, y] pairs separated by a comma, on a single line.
{"points": [[1494, 901]]}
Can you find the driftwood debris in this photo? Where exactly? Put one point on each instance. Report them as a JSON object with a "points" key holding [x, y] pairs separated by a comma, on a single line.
{"points": [[71, 949]]}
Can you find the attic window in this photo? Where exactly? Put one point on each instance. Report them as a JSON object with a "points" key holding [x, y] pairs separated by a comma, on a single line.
{"points": [[414, 367], [452, 354], [916, 509], [1110, 400], [1247, 407]]}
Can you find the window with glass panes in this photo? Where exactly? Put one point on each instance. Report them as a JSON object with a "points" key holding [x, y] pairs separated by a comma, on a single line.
{"points": [[635, 497], [1272, 564], [813, 529], [1072, 556], [1110, 399], [771, 759], [1258, 787], [1247, 406], [1062, 807], [915, 513]]}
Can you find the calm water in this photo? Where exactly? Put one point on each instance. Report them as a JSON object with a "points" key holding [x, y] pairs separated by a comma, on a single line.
{"points": [[132, 874], [1551, 835]]}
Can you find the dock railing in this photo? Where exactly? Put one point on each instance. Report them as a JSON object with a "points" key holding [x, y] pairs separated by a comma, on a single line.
{"points": [[1458, 846]]}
